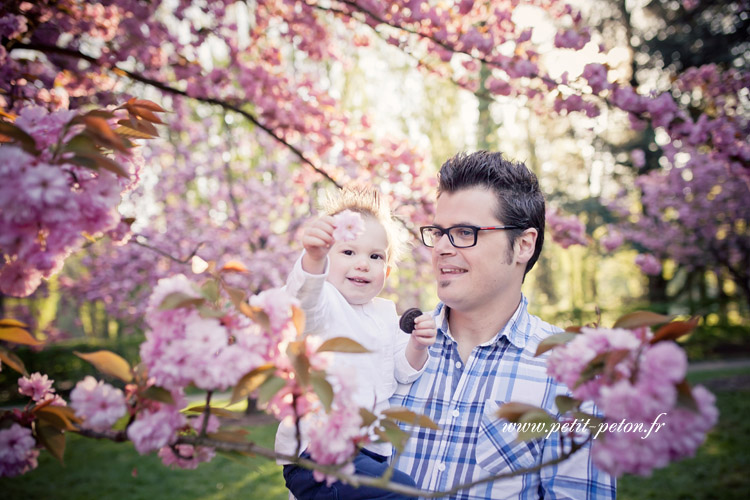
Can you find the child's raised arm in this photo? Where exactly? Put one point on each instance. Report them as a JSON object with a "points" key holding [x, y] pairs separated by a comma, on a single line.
{"points": [[317, 238]]}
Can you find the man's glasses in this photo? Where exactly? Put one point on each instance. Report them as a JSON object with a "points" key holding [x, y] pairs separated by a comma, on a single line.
{"points": [[462, 236]]}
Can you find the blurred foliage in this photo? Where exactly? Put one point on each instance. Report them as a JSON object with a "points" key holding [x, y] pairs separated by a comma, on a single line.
{"points": [[61, 365]]}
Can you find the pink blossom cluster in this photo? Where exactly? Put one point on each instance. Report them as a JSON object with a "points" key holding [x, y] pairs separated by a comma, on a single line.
{"points": [[566, 230], [349, 225], [39, 388], [18, 453], [612, 240], [634, 382], [648, 264], [46, 204], [187, 456], [99, 404], [182, 347], [334, 434]]}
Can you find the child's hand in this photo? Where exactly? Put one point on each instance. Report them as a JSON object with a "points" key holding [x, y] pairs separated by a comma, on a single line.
{"points": [[317, 238], [424, 333]]}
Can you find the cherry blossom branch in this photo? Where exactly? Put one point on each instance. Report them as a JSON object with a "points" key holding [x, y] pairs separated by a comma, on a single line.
{"points": [[186, 260], [171, 90]]}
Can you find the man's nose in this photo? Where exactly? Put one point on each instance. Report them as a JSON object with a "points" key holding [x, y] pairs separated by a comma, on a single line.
{"points": [[443, 245]]}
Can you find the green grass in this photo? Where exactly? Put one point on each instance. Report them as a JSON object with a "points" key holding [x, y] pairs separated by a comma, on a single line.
{"points": [[719, 469], [105, 470]]}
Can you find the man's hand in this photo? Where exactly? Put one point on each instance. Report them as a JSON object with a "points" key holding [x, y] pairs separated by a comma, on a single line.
{"points": [[317, 238]]}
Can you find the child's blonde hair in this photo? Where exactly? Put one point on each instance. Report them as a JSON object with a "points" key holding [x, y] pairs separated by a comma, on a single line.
{"points": [[367, 201]]}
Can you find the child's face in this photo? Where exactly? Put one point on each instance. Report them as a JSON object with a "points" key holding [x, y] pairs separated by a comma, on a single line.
{"points": [[358, 268]]}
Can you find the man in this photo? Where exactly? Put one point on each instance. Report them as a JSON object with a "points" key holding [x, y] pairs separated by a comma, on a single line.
{"points": [[487, 234]]}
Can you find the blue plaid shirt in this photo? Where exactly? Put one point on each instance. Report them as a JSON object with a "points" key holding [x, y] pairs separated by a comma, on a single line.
{"points": [[471, 443]]}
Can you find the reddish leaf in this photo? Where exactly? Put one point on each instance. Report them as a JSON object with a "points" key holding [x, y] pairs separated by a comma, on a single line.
{"points": [[685, 397], [230, 435], [553, 341], [641, 318], [513, 411], [300, 362], [407, 416], [60, 417], [675, 330], [574, 329], [10, 359], [222, 412], [100, 130], [233, 266], [10, 132], [368, 417], [144, 103], [108, 363], [342, 344]]}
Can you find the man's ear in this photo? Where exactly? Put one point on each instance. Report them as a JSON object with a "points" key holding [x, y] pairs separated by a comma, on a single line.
{"points": [[525, 245], [387, 271]]}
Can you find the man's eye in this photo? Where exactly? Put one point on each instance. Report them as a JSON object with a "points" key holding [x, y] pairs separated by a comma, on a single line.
{"points": [[464, 233]]}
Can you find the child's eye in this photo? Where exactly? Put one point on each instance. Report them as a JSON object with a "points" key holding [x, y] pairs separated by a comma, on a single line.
{"points": [[376, 256], [347, 252]]}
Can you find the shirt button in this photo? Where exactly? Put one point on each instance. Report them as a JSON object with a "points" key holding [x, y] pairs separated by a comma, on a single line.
{"points": [[456, 413], [458, 365], [441, 466]]}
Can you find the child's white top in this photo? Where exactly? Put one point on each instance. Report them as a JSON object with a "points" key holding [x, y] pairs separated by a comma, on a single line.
{"points": [[374, 325]]}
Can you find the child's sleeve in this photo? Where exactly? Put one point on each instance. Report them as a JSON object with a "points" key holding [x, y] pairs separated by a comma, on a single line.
{"points": [[309, 290]]}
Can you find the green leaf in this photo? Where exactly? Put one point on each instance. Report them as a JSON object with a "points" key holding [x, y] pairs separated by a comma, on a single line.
{"points": [[51, 438], [301, 364], [322, 388], [269, 388], [685, 397], [156, 393], [108, 363], [407, 416], [368, 417], [222, 412], [553, 341], [641, 318], [176, 300], [251, 382], [210, 290], [566, 403], [392, 433], [539, 424], [342, 344]]}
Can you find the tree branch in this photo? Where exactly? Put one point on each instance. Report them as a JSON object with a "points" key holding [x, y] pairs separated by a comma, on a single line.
{"points": [[53, 49]]}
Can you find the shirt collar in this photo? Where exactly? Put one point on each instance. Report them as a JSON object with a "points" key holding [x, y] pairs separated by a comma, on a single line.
{"points": [[515, 330]]}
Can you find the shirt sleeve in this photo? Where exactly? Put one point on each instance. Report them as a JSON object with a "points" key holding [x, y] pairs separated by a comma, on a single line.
{"points": [[308, 289], [577, 477]]}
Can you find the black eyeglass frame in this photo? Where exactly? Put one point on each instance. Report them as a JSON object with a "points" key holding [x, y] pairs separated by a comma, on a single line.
{"points": [[447, 230]]}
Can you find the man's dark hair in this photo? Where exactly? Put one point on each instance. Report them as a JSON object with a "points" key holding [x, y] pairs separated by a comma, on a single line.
{"points": [[520, 201]]}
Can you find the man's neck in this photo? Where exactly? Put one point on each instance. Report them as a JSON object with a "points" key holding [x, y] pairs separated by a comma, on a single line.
{"points": [[472, 328]]}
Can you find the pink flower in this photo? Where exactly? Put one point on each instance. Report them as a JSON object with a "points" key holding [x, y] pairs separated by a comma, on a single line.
{"points": [[36, 386], [612, 240], [187, 456], [19, 280], [98, 403], [664, 361], [596, 74], [649, 264], [45, 185], [17, 452], [349, 225], [638, 157], [277, 304], [566, 230], [155, 429]]}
